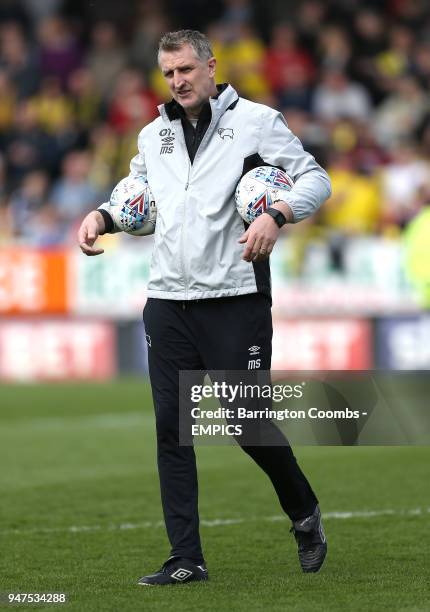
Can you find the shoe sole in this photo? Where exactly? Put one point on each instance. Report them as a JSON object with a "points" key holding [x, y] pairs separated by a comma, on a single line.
{"points": [[172, 583]]}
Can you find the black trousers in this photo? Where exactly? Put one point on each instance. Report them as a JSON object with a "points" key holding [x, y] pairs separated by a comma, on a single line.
{"points": [[214, 334]]}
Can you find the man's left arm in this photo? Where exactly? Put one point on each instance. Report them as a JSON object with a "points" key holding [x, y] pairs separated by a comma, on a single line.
{"points": [[280, 147]]}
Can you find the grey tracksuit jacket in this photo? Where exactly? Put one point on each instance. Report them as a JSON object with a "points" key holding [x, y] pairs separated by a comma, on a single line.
{"points": [[196, 253]]}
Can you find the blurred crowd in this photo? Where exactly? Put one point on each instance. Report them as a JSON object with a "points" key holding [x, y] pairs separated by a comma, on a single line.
{"points": [[79, 80]]}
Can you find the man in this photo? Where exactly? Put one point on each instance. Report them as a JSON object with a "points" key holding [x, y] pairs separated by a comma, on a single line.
{"points": [[209, 288]]}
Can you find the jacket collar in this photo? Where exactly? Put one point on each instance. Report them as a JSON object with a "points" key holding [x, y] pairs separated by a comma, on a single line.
{"points": [[227, 97]]}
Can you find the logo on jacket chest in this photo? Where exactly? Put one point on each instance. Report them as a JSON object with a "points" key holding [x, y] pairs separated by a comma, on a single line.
{"points": [[225, 133], [167, 141]]}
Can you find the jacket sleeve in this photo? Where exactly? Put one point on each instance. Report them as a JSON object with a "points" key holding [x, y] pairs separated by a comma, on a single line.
{"points": [[280, 147], [137, 164], [137, 168]]}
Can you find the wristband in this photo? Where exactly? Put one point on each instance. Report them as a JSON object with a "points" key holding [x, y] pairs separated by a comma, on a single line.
{"points": [[276, 215]]}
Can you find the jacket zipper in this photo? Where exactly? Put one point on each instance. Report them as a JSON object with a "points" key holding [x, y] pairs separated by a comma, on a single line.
{"points": [[183, 229], [209, 130], [188, 177], [183, 264]]}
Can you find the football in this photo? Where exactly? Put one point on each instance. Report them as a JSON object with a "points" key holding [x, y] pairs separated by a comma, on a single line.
{"points": [[132, 206], [258, 189]]}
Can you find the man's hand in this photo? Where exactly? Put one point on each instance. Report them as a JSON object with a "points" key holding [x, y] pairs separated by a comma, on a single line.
{"points": [[91, 228], [260, 238], [261, 235]]}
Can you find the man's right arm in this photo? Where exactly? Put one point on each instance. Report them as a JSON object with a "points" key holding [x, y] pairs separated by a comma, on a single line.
{"points": [[99, 222], [91, 228]]}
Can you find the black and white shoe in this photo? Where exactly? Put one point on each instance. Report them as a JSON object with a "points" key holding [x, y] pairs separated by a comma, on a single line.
{"points": [[176, 570], [311, 541]]}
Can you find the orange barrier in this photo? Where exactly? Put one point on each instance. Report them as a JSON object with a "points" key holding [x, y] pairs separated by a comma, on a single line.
{"points": [[33, 281]]}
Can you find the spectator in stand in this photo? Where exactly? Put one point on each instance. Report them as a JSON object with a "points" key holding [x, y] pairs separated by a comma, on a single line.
{"points": [[126, 146], [355, 205], [26, 202], [310, 17], [73, 195], [412, 14], [368, 155], [4, 219], [46, 231], [298, 94], [11, 10], [334, 48], [245, 61], [369, 34], [353, 209], [2, 180], [54, 111], [133, 104], [399, 115], [237, 13], [395, 60], [27, 147], [7, 101], [422, 136], [41, 9], [338, 97], [106, 58], [105, 170], [402, 181], [312, 134], [287, 66], [60, 51], [151, 23], [219, 36], [18, 59], [30, 219], [369, 41], [421, 63], [111, 155], [84, 98], [52, 106]]}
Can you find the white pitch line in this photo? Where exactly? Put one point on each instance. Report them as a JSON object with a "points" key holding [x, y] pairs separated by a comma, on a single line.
{"points": [[218, 522]]}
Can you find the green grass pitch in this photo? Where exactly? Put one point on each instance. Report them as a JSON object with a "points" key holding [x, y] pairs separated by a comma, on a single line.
{"points": [[80, 514]]}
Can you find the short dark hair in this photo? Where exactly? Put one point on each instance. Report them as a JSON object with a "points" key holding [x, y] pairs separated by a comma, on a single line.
{"points": [[172, 41]]}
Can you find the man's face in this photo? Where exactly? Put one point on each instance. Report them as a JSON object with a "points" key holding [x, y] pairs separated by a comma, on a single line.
{"points": [[190, 79]]}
